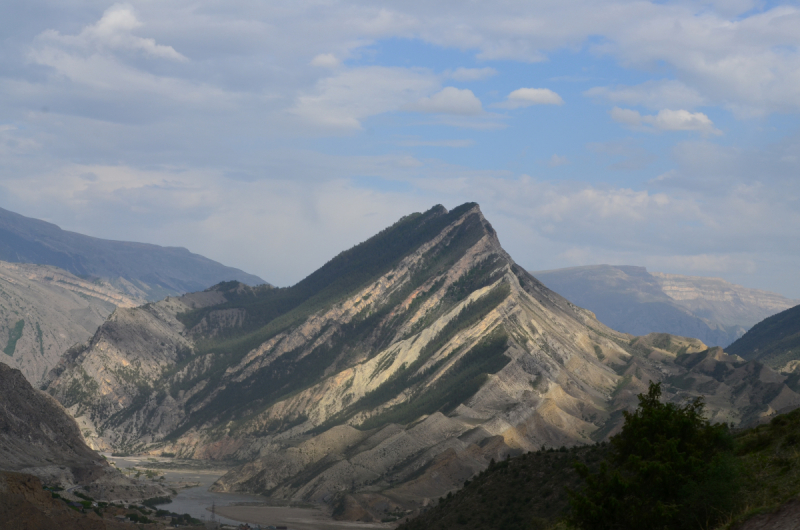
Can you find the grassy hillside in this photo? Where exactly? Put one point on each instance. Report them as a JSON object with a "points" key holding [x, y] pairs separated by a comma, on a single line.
{"points": [[521, 493], [529, 491], [773, 341]]}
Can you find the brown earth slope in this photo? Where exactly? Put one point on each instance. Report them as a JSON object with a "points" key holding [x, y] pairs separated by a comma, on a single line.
{"points": [[25, 505]]}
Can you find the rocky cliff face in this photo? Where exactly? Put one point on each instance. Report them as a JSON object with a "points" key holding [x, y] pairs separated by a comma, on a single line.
{"points": [[393, 373], [39, 438], [716, 300], [44, 310], [633, 300]]}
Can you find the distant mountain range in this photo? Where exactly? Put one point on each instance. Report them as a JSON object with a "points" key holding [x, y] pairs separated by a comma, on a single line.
{"points": [[387, 377], [139, 269], [633, 300]]}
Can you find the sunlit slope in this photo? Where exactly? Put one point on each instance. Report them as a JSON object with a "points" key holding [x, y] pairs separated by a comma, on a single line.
{"points": [[44, 310]]}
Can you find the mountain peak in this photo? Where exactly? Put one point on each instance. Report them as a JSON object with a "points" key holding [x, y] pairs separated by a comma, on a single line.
{"points": [[396, 371]]}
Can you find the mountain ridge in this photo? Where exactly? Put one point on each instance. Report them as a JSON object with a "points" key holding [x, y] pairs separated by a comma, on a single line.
{"points": [[138, 269], [389, 376], [775, 341], [632, 300]]}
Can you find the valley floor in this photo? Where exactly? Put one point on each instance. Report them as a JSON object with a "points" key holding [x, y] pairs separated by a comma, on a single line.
{"points": [[193, 478]]}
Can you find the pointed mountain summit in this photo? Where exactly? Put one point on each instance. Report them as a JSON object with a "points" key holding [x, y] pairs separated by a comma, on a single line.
{"points": [[394, 372]]}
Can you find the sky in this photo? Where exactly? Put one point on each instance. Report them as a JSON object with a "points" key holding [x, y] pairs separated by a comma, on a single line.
{"points": [[270, 136]]}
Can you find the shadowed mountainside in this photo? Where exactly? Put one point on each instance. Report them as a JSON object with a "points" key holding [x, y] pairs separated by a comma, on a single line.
{"points": [[138, 269], [775, 341], [633, 300], [24, 504], [38, 437], [530, 491]]}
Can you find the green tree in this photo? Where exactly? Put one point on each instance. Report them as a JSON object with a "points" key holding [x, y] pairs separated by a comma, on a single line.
{"points": [[669, 468]]}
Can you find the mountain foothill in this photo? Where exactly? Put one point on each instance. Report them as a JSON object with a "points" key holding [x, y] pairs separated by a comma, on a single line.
{"points": [[57, 287], [399, 370]]}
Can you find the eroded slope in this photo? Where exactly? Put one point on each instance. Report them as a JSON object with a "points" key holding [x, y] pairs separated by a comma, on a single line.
{"points": [[44, 310]]}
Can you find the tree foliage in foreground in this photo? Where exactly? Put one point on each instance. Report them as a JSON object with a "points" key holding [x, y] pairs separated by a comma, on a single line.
{"points": [[669, 468]]}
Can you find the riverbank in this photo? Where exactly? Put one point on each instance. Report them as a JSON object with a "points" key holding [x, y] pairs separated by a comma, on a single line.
{"points": [[293, 518]]}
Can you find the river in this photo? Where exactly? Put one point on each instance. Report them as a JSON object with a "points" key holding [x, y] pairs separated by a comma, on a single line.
{"points": [[197, 501]]}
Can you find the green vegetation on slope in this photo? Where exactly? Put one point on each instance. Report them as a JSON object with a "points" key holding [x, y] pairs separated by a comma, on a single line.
{"points": [[40, 338], [773, 341], [14, 334], [527, 492], [668, 468], [461, 381], [770, 460]]}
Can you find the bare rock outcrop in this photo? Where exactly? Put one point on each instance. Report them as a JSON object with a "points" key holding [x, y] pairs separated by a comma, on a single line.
{"points": [[44, 310]]}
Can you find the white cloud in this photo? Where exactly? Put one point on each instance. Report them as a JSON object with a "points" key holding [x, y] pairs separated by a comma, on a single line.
{"points": [[449, 100], [525, 97], [628, 117], [652, 94], [114, 31], [119, 87], [739, 222], [342, 101], [682, 120], [556, 161], [325, 60], [101, 69], [666, 120], [471, 74], [436, 143]]}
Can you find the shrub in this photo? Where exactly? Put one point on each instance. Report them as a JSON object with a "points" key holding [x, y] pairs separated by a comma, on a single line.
{"points": [[669, 468]]}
